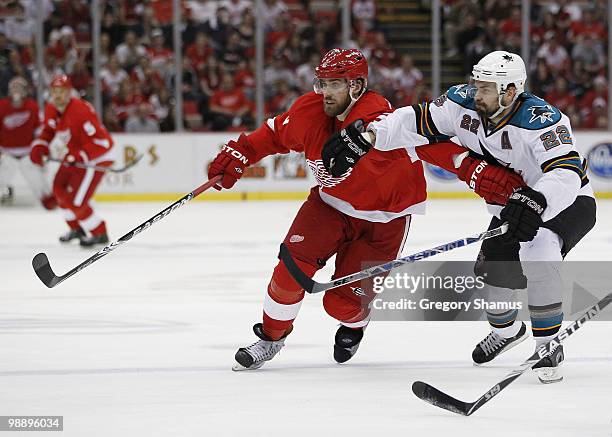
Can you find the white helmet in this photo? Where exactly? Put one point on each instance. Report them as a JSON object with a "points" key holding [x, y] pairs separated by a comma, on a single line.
{"points": [[502, 68]]}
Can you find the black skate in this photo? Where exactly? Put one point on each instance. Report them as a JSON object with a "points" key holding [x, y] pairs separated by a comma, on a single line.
{"points": [[255, 355], [93, 240], [72, 234], [548, 368], [494, 344], [347, 342]]}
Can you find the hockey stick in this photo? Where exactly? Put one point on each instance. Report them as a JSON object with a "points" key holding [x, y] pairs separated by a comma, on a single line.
{"points": [[41, 263], [312, 286], [99, 167], [440, 399]]}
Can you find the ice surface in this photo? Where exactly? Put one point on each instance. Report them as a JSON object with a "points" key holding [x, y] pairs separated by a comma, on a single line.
{"points": [[141, 343]]}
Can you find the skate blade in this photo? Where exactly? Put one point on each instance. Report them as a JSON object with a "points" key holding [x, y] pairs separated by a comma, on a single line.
{"points": [[549, 375], [237, 367]]}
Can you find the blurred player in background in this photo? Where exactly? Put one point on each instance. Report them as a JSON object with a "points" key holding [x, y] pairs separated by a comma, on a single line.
{"points": [[76, 124], [360, 215], [19, 120], [501, 123]]}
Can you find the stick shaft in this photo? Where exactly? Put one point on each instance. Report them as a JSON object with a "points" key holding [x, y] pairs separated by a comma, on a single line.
{"points": [[54, 279], [98, 167]]}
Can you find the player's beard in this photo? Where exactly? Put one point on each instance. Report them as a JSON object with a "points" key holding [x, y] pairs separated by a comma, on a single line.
{"points": [[336, 107], [484, 111]]}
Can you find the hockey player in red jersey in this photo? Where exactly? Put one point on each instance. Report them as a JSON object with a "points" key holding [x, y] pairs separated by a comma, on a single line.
{"points": [[19, 120], [362, 215], [75, 122]]}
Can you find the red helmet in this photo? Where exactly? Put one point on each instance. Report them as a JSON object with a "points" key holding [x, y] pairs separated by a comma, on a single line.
{"points": [[61, 81], [342, 63]]}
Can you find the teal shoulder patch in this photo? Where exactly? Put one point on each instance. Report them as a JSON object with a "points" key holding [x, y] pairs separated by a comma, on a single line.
{"points": [[459, 95], [535, 113]]}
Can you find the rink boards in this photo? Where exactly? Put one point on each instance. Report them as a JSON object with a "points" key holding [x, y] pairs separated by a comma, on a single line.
{"points": [[174, 164]]}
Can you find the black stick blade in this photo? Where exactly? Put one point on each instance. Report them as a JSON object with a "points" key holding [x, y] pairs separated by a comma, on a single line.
{"points": [[437, 398], [300, 277], [43, 270]]}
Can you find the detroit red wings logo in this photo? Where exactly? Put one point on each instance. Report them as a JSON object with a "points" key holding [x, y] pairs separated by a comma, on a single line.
{"points": [[15, 120], [323, 178]]}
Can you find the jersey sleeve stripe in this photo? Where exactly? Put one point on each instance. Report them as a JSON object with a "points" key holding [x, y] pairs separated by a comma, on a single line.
{"points": [[570, 161], [425, 125]]}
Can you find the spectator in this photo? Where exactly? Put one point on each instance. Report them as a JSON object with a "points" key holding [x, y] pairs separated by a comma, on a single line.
{"points": [[599, 91], [588, 25], [271, 10], [64, 49], [589, 53], [203, 12], [555, 54], [199, 52], [50, 70], [364, 14], [559, 96], [512, 24], [246, 30], [406, 75], [475, 50], [112, 76], [219, 30], [597, 118], [468, 33], [160, 55], [305, 72], [126, 100], [161, 103], [276, 72], [233, 53], [81, 79], [229, 106], [140, 121], [245, 78], [236, 9], [111, 121], [129, 51], [283, 99], [542, 80], [19, 27]]}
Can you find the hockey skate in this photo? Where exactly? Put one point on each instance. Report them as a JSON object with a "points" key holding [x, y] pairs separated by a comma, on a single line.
{"points": [[93, 240], [72, 234], [255, 355], [347, 342], [494, 344], [548, 368]]}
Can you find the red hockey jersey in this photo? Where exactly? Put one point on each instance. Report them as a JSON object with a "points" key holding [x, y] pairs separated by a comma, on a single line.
{"points": [[381, 187], [79, 128], [18, 126]]}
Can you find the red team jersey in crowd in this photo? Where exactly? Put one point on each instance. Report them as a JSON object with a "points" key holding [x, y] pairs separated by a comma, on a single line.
{"points": [[18, 126], [79, 128], [382, 187]]}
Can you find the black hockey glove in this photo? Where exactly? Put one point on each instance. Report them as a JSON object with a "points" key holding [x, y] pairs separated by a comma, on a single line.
{"points": [[343, 149], [523, 213]]}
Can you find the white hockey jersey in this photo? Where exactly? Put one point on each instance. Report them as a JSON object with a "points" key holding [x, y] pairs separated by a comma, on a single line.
{"points": [[534, 139]]}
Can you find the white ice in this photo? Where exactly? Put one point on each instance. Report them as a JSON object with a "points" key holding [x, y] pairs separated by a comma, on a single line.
{"points": [[141, 343]]}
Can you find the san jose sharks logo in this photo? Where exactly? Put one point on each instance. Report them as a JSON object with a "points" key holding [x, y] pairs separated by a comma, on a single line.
{"points": [[544, 113], [507, 58]]}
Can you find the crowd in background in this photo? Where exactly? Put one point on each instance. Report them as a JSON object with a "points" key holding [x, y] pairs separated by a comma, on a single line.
{"points": [[137, 59], [568, 49]]}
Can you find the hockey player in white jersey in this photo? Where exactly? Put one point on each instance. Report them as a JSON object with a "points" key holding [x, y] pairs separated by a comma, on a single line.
{"points": [[504, 125]]}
